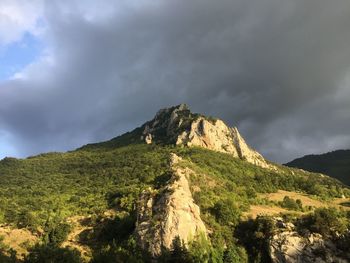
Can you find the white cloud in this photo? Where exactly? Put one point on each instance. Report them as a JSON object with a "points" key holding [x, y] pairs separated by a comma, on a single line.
{"points": [[18, 17]]}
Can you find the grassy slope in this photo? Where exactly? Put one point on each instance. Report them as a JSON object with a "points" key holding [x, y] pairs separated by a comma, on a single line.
{"points": [[335, 164]]}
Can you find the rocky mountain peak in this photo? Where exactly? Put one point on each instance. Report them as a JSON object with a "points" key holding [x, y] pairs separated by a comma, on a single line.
{"points": [[178, 125]]}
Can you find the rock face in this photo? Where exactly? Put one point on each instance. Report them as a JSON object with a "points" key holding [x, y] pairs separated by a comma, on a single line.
{"points": [[287, 246], [179, 126], [169, 213]]}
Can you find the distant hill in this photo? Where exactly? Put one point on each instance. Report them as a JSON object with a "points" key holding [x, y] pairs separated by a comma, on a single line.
{"points": [[335, 164]]}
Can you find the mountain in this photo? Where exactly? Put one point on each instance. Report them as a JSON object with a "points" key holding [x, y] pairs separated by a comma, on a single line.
{"points": [[179, 126], [335, 164], [183, 187]]}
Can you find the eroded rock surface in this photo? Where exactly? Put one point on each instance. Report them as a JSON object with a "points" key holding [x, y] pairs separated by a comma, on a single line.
{"points": [[163, 215], [179, 126], [287, 246]]}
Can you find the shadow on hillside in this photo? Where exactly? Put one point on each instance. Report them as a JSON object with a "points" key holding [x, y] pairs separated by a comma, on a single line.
{"points": [[94, 234], [8, 257], [102, 233], [347, 204]]}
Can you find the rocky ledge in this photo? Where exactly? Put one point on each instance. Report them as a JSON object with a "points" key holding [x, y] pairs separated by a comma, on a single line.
{"points": [[289, 246], [179, 126]]}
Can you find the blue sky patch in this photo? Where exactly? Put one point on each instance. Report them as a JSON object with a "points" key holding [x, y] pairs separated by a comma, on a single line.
{"points": [[16, 56]]}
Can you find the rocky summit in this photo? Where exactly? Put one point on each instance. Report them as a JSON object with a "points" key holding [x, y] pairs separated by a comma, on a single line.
{"points": [[178, 125]]}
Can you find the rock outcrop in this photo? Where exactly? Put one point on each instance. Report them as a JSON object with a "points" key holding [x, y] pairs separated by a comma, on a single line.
{"points": [[179, 126], [168, 213], [287, 246]]}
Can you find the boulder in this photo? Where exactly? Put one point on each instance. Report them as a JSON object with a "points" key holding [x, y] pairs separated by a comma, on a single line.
{"points": [[288, 246]]}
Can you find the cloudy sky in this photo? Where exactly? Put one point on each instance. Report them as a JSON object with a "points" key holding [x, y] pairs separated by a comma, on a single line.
{"points": [[73, 72]]}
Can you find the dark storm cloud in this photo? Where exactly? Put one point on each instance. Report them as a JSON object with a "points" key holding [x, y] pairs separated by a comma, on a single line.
{"points": [[276, 69]]}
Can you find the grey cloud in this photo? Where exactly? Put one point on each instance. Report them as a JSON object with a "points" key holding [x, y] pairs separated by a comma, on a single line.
{"points": [[273, 68]]}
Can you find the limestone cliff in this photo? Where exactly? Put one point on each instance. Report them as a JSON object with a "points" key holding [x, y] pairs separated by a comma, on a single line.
{"points": [[179, 126], [163, 215], [288, 246]]}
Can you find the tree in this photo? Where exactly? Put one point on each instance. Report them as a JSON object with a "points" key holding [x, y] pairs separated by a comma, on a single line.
{"points": [[55, 233], [328, 221], [235, 254], [50, 254], [179, 252], [227, 212], [27, 219], [254, 235]]}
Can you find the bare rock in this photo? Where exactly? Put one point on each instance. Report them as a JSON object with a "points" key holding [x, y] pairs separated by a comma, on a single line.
{"points": [[219, 137], [148, 138], [287, 246], [179, 126], [214, 136], [169, 213]]}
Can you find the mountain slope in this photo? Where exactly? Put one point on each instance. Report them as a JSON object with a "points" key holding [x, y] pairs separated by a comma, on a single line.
{"points": [[103, 184], [335, 164]]}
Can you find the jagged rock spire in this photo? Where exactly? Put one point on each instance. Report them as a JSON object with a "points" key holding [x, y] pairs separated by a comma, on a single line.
{"points": [[168, 214]]}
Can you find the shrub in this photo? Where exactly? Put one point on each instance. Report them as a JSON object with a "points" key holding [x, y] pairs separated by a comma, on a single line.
{"points": [[291, 204]]}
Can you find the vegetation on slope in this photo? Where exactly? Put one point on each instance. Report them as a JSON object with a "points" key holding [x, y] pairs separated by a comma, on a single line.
{"points": [[41, 192], [335, 164]]}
